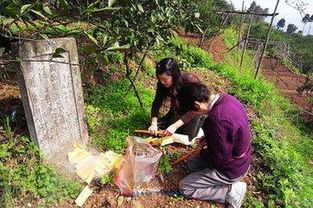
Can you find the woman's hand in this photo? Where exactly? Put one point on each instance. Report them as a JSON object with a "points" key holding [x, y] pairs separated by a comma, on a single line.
{"points": [[153, 129], [172, 128]]}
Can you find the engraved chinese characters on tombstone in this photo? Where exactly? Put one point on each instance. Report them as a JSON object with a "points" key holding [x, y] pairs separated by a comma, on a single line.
{"points": [[51, 91]]}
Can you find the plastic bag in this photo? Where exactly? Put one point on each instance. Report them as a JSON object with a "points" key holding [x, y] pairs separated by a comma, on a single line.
{"points": [[138, 168]]}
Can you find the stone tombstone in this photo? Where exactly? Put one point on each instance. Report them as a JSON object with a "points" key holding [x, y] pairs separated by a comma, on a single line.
{"points": [[51, 91]]}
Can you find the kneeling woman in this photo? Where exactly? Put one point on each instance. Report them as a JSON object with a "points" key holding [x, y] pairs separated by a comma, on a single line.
{"points": [[219, 167], [170, 79]]}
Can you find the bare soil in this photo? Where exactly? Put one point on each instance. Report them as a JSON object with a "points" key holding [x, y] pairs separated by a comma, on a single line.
{"points": [[288, 82], [215, 46], [9, 92]]}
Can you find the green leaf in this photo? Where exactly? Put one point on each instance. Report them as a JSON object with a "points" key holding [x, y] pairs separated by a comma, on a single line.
{"points": [[105, 39], [64, 4], [94, 9], [57, 52], [168, 12], [47, 10], [44, 36], [12, 10], [103, 58], [2, 51], [31, 23], [25, 7], [38, 13], [140, 8], [117, 47], [92, 38], [93, 4], [111, 2], [89, 49], [126, 22]]}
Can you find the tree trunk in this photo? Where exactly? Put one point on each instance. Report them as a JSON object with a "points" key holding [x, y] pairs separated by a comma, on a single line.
{"points": [[139, 68], [202, 39]]}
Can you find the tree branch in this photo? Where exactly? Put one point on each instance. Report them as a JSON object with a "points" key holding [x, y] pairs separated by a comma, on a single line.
{"points": [[128, 73], [300, 6], [34, 60], [139, 67]]}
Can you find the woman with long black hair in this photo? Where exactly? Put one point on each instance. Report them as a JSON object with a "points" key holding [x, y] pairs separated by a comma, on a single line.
{"points": [[170, 79]]}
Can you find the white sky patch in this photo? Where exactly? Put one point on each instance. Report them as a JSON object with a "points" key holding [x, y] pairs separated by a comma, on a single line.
{"points": [[290, 14]]}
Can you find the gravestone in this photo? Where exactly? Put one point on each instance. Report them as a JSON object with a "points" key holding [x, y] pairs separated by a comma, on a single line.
{"points": [[51, 92]]}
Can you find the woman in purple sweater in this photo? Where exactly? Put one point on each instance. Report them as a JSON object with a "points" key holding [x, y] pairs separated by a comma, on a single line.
{"points": [[220, 166]]}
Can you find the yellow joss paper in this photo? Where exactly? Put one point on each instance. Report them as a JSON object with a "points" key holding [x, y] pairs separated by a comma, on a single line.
{"points": [[83, 196], [167, 140], [89, 165]]}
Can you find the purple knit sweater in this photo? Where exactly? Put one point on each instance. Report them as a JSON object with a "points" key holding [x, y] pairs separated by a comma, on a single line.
{"points": [[228, 136]]}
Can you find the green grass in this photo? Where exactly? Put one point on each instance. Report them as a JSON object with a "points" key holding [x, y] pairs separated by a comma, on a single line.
{"points": [[25, 178], [112, 116], [233, 58]]}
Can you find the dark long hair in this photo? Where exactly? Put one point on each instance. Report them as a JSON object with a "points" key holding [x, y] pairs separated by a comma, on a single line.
{"points": [[170, 67]]}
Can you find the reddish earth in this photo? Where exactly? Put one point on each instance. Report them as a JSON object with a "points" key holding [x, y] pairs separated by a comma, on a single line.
{"points": [[9, 91], [288, 82], [215, 46], [110, 195]]}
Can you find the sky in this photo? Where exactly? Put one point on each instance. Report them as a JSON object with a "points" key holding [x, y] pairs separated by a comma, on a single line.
{"points": [[290, 14]]}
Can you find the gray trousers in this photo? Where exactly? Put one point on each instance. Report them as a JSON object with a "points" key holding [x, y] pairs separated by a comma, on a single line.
{"points": [[205, 183]]}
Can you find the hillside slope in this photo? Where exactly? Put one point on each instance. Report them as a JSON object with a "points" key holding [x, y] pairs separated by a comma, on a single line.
{"points": [[281, 174]]}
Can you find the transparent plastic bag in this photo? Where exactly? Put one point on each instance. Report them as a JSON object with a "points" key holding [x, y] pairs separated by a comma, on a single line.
{"points": [[135, 175]]}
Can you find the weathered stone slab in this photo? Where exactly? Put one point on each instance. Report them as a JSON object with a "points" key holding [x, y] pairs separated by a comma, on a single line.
{"points": [[52, 96]]}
